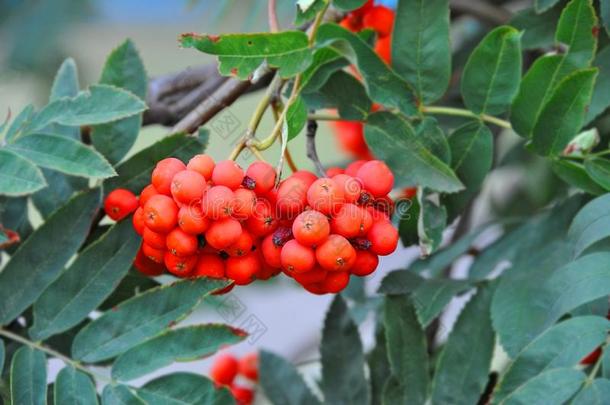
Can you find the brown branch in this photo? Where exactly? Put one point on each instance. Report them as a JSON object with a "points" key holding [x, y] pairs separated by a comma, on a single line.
{"points": [[490, 13], [274, 25], [312, 153]]}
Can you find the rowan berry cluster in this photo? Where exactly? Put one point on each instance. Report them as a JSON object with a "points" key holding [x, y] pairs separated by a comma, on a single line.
{"points": [[215, 220], [227, 368]]}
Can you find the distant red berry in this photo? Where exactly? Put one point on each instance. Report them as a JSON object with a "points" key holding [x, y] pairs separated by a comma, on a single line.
{"points": [[248, 366], [120, 203], [228, 173], [380, 19], [224, 369], [164, 172], [242, 395], [202, 164], [383, 48]]}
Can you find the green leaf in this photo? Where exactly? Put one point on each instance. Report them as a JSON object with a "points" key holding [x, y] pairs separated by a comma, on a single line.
{"points": [[242, 54], [596, 393], [184, 388], [563, 115], [383, 85], [575, 174], [2, 354], [19, 122], [307, 10], [576, 29], [433, 295], [282, 383], [421, 52], [518, 318], [605, 363], [63, 154], [551, 387], [599, 170], [600, 100], [134, 173], [44, 254], [117, 394], [605, 14], [538, 29], [140, 318], [60, 188], [472, 158], [123, 69], [400, 282], [348, 5], [393, 139], [433, 136], [430, 225], [296, 117], [406, 346], [28, 377], [326, 62], [408, 210], [462, 373], [379, 367], [133, 283], [492, 73], [590, 225], [18, 176], [563, 345], [542, 5], [74, 387], [65, 84], [86, 283], [100, 104], [343, 379], [183, 344]]}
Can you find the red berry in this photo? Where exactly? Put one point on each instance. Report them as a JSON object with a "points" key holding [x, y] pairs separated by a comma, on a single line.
{"points": [[156, 255], [218, 202], [263, 175], [138, 221], [248, 366], [383, 48], [376, 177], [351, 221], [242, 395], [310, 228], [333, 171], [242, 246], [147, 266], [161, 213], [315, 288], [351, 187], [366, 263], [336, 254], [180, 243], [350, 135], [317, 275], [352, 168], [380, 19], [325, 195], [202, 164], [243, 203], [164, 172], [209, 265], [191, 220], [409, 192], [305, 175], [383, 237], [120, 203], [335, 281], [292, 197], [154, 239], [146, 193], [188, 186], [224, 290], [297, 258], [271, 252], [223, 233], [228, 173], [263, 221], [243, 269], [180, 266], [224, 369]]}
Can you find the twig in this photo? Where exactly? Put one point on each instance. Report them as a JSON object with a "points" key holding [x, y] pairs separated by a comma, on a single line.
{"points": [[482, 10], [290, 161], [312, 153], [274, 25]]}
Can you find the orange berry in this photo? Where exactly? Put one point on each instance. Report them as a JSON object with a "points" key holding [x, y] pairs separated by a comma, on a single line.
{"points": [[315, 288], [262, 174], [180, 266], [248, 366], [146, 193], [223, 233], [271, 252], [383, 48], [228, 173], [164, 172], [156, 255], [352, 168], [120, 203], [147, 266], [191, 220], [243, 269], [218, 202], [292, 197], [154, 239], [325, 195], [180, 243], [351, 187], [351, 221], [209, 265], [242, 395], [350, 136], [262, 221], [333, 171], [224, 369], [188, 186], [138, 221], [383, 237], [296, 258], [409, 192], [243, 203], [310, 228], [317, 275], [336, 254], [376, 177], [335, 281], [202, 164], [305, 175], [366, 263], [161, 213], [380, 19], [242, 246]]}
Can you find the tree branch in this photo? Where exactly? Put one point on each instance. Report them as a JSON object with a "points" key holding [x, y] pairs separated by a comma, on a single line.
{"points": [[490, 13], [312, 153]]}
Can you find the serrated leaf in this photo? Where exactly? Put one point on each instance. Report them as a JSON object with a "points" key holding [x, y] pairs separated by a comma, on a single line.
{"points": [[492, 73], [563, 115], [184, 388], [542, 5], [86, 283], [134, 173], [124, 69], [575, 174], [407, 353], [39, 256], [242, 54], [28, 377], [74, 387], [600, 100], [551, 387], [296, 117], [590, 225], [63, 154], [595, 393], [118, 394], [65, 84], [563, 345], [420, 46], [400, 282], [538, 29], [343, 379], [557, 291], [599, 170], [383, 85], [433, 295], [100, 104], [183, 344], [393, 139], [461, 373], [430, 225], [282, 383], [379, 367], [140, 318], [18, 176]]}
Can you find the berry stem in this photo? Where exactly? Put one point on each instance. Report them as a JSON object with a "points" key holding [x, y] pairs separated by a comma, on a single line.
{"points": [[460, 112], [290, 161]]}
